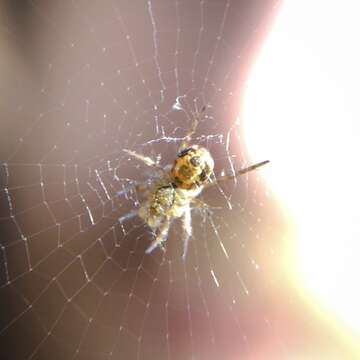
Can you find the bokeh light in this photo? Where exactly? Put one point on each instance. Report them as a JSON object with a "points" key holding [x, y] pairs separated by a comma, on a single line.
{"points": [[301, 109]]}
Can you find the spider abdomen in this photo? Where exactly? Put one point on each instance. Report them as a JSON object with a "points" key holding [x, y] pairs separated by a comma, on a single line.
{"points": [[192, 167]]}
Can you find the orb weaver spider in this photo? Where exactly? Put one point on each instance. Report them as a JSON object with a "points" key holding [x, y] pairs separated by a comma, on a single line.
{"points": [[174, 193]]}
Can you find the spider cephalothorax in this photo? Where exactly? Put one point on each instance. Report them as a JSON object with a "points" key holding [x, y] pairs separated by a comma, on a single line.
{"points": [[173, 194]]}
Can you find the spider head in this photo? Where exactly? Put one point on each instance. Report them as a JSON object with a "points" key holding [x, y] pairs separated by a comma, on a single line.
{"points": [[192, 167]]}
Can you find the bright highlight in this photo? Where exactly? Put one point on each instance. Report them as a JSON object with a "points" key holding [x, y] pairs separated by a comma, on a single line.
{"points": [[302, 111]]}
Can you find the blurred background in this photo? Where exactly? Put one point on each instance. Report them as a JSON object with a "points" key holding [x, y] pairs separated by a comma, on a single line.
{"points": [[272, 272]]}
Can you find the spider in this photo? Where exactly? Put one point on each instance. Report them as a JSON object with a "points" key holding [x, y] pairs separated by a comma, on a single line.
{"points": [[173, 194]]}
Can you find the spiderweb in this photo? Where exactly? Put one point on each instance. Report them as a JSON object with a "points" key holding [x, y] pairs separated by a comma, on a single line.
{"points": [[95, 78]]}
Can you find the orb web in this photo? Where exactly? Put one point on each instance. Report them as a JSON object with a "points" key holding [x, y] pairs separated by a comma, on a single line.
{"points": [[108, 76]]}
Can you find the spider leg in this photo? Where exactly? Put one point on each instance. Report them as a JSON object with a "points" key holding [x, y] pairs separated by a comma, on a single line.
{"points": [[139, 187], [186, 224], [145, 159], [237, 173], [161, 235], [198, 117], [201, 205], [127, 216]]}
